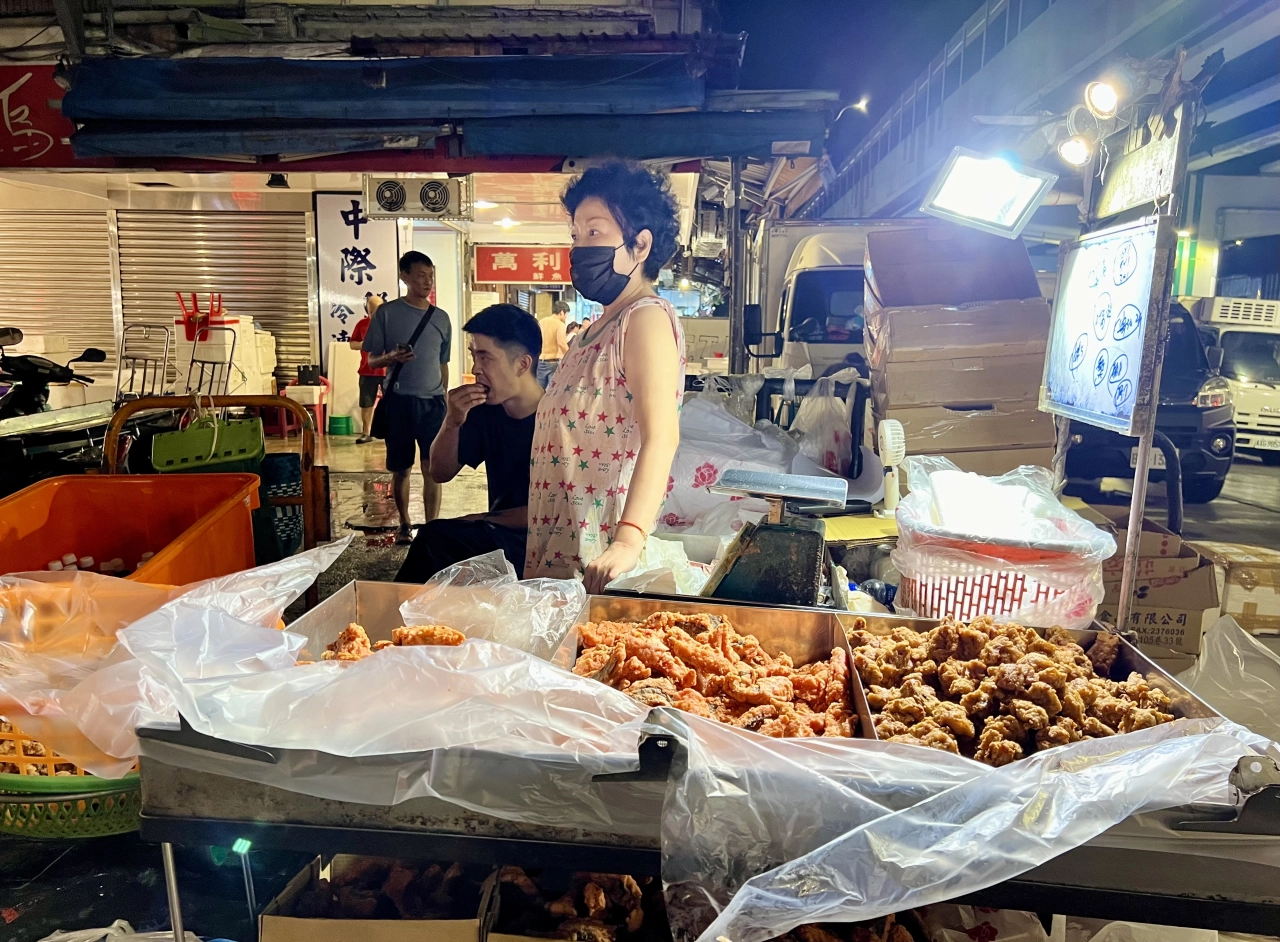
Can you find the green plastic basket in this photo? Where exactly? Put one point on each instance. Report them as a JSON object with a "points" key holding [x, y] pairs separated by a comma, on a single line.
{"points": [[41, 808], [206, 444]]}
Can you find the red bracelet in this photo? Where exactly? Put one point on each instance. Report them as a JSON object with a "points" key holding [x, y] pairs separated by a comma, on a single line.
{"points": [[635, 526]]}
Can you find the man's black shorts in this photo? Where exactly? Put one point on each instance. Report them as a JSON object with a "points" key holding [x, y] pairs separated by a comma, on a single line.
{"points": [[411, 420], [369, 386]]}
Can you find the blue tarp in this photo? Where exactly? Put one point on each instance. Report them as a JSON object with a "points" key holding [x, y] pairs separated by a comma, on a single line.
{"points": [[424, 89], [188, 139], [690, 134]]}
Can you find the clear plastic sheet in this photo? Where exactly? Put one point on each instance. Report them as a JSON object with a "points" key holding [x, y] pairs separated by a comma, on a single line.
{"points": [[1238, 676], [663, 569], [118, 930], [985, 826], [483, 598], [84, 699], [1004, 546]]}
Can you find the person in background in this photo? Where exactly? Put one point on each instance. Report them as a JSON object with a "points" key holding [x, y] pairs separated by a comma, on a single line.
{"points": [[417, 377], [488, 422], [555, 342], [571, 330], [607, 431], [370, 378]]}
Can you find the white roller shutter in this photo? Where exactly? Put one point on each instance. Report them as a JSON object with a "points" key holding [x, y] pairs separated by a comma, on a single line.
{"points": [[258, 262], [56, 279]]}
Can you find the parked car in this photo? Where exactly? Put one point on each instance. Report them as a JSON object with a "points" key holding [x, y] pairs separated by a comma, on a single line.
{"points": [[1194, 410]]}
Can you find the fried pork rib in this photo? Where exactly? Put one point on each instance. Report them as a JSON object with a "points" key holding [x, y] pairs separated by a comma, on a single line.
{"points": [[998, 692], [700, 664], [352, 643]]}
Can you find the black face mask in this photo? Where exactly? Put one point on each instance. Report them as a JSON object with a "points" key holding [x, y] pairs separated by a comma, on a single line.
{"points": [[592, 274]]}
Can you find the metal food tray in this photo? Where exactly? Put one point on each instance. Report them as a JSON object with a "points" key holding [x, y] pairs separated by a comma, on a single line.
{"points": [[193, 792], [1129, 659]]}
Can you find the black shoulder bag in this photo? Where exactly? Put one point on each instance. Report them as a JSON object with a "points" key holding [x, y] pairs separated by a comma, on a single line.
{"points": [[381, 420]]}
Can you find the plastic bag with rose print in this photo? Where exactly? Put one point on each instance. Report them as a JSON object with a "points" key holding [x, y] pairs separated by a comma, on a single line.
{"points": [[711, 442]]}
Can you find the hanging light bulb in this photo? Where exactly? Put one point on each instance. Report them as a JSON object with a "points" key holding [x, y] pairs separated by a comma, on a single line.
{"points": [[1075, 151], [1102, 99]]}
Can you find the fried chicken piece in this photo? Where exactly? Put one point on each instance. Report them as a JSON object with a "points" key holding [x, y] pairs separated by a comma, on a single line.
{"points": [[314, 903], [366, 872], [953, 717], [691, 624], [1111, 710], [591, 661], [355, 903], [1030, 715], [1094, 728], [957, 677], [838, 720], [564, 907], [837, 676], [701, 657], [764, 690], [1044, 696], [410, 636], [352, 644], [1073, 705], [725, 710], [631, 671], [720, 637], [595, 633], [788, 725], [595, 900], [383, 645], [1055, 675], [1000, 741], [1001, 650], [442, 898], [1059, 636], [889, 726], [1060, 732], [693, 702], [868, 668], [394, 886], [983, 701], [654, 692], [1103, 653], [816, 934], [748, 649], [1013, 678], [810, 684], [929, 733], [635, 920], [757, 716], [517, 877], [655, 655], [1138, 718], [585, 930], [898, 933]]}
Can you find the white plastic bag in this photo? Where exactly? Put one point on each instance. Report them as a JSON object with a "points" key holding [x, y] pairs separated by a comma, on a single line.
{"points": [[823, 423], [663, 569], [1073, 929], [951, 923], [482, 598], [1239, 677], [118, 930], [711, 442], [1004, 546], [85, 698]]}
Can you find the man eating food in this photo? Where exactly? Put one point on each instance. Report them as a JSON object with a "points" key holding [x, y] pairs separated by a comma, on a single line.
{"points": [[487, 422]]}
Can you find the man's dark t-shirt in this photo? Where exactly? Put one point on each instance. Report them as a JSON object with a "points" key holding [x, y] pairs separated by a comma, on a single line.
{"points": [[503, 445]]}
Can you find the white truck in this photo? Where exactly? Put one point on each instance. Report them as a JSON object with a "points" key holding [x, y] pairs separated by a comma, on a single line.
{"points": [[1248, 331], [806, 276]]}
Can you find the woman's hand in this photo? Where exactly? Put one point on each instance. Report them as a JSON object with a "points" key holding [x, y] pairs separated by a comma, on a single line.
{"points": [[621, 556]]}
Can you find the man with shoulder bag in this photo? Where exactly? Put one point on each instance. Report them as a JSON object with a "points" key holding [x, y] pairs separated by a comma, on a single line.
{"points": [[413, 339]]}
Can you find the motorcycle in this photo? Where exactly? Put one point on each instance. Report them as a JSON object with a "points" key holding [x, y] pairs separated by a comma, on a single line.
{"points": [[29, 377]]}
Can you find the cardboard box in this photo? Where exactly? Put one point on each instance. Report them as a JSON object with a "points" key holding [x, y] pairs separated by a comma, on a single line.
{"points": [[957, 379], [932, 430], [274, 926], [1169, 614], [1156, 540], [944, 264], [1248, 583], [1153, 568], [937, 332]]}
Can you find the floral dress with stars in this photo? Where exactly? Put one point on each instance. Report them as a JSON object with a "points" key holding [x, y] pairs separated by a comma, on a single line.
{"points": [[585, 444]]}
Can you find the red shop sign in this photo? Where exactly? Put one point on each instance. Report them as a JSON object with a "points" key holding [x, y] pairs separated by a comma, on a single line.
{"points": [[522, 264], [34, 133]]}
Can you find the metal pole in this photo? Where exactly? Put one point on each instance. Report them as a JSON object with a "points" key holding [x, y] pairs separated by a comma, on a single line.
{"points": [[1134, 535], [737, 267], [171, 889]]}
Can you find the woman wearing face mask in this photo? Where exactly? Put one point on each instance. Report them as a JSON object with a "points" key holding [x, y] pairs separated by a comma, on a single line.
{"points": [[608, 426]]}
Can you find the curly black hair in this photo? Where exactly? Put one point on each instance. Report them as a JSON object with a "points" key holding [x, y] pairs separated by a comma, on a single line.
{"points": [[638, 199]]}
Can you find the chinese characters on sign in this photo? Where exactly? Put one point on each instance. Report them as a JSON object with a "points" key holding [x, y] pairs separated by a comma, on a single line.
{"points": [[33, 133], [357, 259], [522, 264]]}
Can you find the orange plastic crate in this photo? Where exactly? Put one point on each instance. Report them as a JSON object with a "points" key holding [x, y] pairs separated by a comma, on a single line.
{"points": [[198, 525]]}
